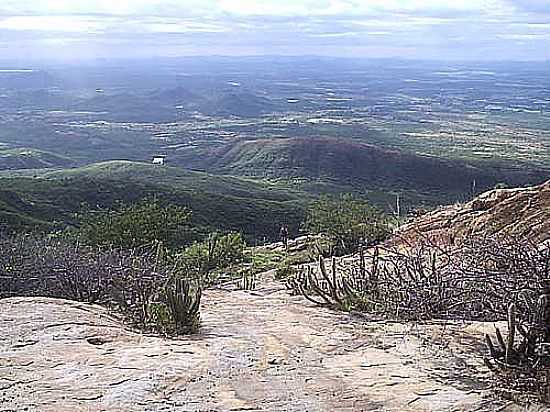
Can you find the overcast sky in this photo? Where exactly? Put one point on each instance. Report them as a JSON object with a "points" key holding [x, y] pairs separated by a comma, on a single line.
{"points": [[424, 29]]}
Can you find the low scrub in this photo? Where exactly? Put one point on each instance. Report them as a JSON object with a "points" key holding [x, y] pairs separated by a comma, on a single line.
{"points": [[208, 260], [475, 281], [139, 283], [486, 278]]}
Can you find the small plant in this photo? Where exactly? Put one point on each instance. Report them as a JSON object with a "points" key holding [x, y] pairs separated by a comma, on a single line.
{"points": [[248, 281], [521, 362], [183, 306]]}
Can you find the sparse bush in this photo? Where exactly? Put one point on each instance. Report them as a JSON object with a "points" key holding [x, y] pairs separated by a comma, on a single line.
{"points": [[347, 222], [476, 280]]}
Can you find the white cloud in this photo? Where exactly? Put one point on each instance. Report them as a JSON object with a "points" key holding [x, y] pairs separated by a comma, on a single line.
{"points": [[74, 24], [525, 37], [243, 7], [177, 26], [291, 25]]}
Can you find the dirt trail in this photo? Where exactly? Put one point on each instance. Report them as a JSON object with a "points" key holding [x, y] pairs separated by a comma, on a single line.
{"points": [[259, 350]]}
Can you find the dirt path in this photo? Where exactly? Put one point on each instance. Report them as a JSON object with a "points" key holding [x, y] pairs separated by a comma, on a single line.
{"points": [[261, 350]]}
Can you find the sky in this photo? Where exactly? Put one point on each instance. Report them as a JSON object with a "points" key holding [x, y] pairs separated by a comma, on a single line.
{"points": [[417, 29]]}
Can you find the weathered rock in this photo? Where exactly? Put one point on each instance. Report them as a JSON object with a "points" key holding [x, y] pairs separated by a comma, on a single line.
{"points": [[521, 212], [260, 351]]}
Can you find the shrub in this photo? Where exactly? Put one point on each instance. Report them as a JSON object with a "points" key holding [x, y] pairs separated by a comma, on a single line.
{"points": [[204, 260], [348, 223], [136, 282], [474, 281], [130, 226]]}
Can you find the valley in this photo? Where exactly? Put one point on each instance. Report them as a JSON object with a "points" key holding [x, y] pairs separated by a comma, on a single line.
{"points": [[429, 133]]}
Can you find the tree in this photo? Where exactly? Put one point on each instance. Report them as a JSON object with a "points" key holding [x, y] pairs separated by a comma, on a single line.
{"points": [[138, 224], [348, 222]]}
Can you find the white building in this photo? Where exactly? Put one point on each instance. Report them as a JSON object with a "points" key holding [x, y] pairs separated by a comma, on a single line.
{"points": [[159, 160]]}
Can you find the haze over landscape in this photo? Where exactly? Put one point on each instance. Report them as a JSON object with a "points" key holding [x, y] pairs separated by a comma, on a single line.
{"points": [[291, 205]]}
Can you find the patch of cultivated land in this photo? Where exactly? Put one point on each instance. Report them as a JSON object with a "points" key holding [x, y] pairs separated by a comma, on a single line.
{"points": [[261, 350]]}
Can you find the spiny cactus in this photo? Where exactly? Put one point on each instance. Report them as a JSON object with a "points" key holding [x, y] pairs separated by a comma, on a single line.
{"points": [[184, 305], [511, 332], [330, 289], [522, 361], [248, 281]]}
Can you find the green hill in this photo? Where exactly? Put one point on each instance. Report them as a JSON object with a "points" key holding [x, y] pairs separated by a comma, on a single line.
{"points": [[25, 158], [176, 177], [353, 164], [51, 198]]}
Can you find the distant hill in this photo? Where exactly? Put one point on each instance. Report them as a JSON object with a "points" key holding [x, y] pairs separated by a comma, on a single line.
{"points": [[175, 177], [169, 104], [26, 79], [25, 158], [348, 162], [240, 104], [179, 96], [51, 198]]}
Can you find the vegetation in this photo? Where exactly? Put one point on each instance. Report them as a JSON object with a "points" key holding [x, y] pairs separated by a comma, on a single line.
{"points": [[26, 158], [348, 163], [139, 283], [431, 281], [144, 222], [205, 260], [347, 222], [56, 200]]}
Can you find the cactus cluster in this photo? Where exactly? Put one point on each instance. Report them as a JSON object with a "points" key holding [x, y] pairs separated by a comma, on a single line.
{"points": [[183, 305], [522, 360], [329, 288], [248, 281]]}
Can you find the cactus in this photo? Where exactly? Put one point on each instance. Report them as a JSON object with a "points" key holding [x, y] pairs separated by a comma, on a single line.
{"points": [[329, 289], [248, 281], [511, 332], [183, 306]]}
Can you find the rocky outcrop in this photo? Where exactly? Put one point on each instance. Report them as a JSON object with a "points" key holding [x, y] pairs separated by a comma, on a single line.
{"points": [[522, 212], [260, 351]]}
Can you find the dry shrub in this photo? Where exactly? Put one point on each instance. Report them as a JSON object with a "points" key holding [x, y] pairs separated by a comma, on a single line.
{"points": [[485, 278], [138, 282]]}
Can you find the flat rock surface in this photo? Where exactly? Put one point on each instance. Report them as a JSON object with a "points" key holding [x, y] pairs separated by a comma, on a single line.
{"points": [[261, 350]]}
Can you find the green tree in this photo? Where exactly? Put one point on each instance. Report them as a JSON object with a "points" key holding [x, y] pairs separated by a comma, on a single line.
{"points": [[348, 222], [138, 224]]}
